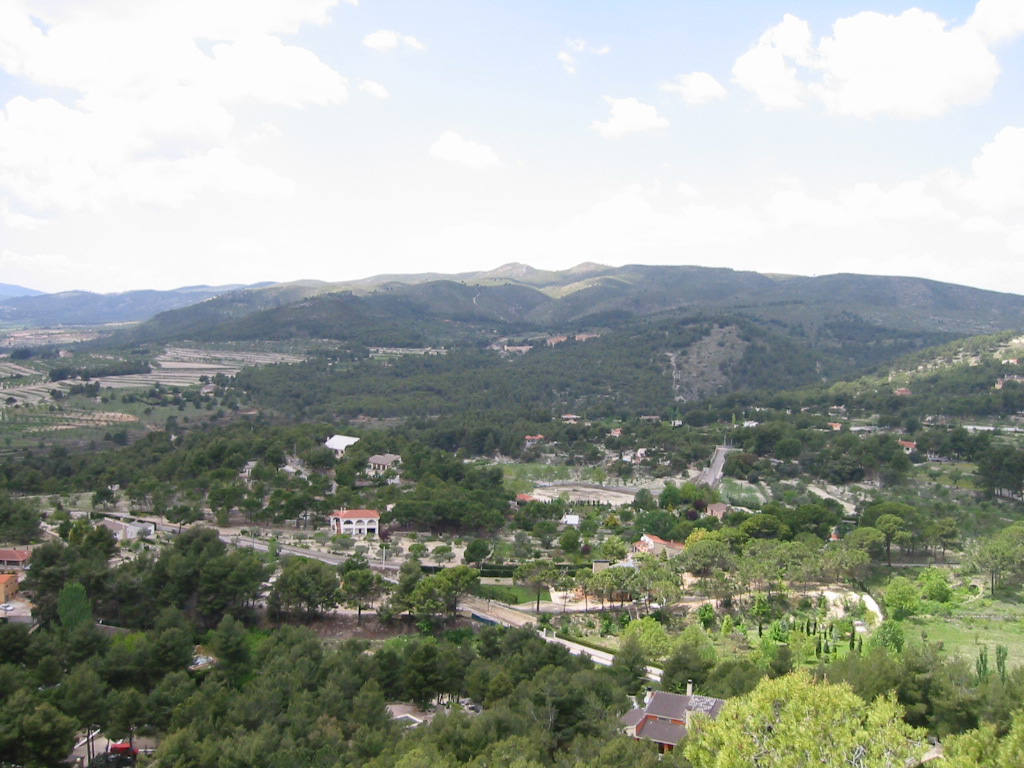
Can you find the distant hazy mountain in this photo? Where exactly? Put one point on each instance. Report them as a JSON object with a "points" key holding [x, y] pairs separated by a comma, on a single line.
{"points": [[8, 291], [517, 297], [84, 308]]}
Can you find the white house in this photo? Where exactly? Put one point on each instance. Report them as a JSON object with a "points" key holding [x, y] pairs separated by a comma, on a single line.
{"points": [[356, 522], [339, 444], [128, 531]]}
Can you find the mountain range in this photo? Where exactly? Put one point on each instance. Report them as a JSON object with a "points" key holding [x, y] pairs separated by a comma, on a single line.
{"points": [[654, 334], [517, 298]]}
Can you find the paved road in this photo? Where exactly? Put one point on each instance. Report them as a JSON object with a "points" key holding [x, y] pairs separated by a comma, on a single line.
{"points": [[386, 572], [488, 610], [712, 476]]}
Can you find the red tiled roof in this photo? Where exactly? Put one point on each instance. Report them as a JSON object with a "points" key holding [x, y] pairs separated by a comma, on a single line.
{"points": [[664, 542], [20, 555], [356, 514], [6, 577]]}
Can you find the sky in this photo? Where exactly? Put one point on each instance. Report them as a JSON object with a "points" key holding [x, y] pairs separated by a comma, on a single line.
{"points": [[161, 143]]}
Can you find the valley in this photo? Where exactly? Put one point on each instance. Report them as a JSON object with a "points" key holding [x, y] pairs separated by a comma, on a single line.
{"points": [[684, 488]]}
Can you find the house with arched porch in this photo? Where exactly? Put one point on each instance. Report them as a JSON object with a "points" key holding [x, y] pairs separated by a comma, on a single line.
{"points": [[356, 522]]}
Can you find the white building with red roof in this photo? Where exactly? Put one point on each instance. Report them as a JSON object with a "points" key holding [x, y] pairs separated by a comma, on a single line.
{"points": [[650, 544], [356, 522]]}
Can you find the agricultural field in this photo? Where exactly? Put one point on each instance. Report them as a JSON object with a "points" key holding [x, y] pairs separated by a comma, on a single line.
{"points": [[34, 408], [974, 622]]}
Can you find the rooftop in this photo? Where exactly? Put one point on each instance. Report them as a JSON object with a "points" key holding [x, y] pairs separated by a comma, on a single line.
{"points": [[340, 442], [356, 514]]}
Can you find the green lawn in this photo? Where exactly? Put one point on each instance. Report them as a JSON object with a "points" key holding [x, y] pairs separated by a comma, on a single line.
{"points": [[513, 595], [963, 636], [975, 622]]}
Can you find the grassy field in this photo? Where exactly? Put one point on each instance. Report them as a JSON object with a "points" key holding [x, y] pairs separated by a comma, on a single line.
{"points": [[521, 478], [976, 622], [964, 636], [513, 595], [741, 493], [953, 475]]}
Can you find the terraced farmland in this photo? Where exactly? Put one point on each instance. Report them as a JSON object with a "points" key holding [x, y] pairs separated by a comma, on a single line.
{"points": [[29, 409], [175, 367]]}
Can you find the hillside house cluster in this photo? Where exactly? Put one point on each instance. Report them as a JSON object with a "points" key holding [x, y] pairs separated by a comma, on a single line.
{"points": [[665, 718]]}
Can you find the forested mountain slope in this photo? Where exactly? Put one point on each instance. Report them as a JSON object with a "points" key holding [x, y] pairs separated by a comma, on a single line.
{"points": [[515, 298]]}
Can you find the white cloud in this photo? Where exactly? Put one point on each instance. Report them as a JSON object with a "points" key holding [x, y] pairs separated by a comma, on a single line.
{"points": [[454, 148], [16, 220], [696, 88], [628, 115], [373, 88], [997, 20], [767, 70], [262, 68], [910, 65], [147, 108], [574, 46], [996, 182], [568, 62], [384, 40], [687, 191], [918, 226]]}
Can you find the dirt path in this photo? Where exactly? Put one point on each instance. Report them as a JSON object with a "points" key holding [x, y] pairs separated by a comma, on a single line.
{"points": [[836, 598], [848, 508]]}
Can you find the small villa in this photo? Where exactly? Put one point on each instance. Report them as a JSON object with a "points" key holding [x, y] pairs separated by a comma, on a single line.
{"points": [[14, 558], [717, 510], [356, 522], [380, 463], [649, 544], [665, 718]]}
